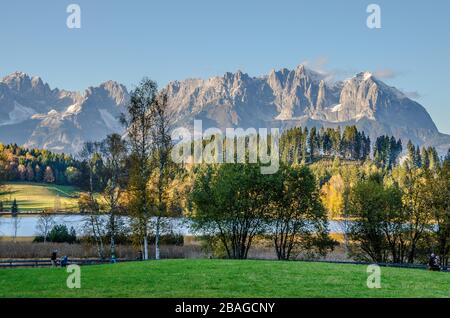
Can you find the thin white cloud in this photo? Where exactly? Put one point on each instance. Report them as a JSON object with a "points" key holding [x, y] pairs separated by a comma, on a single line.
{"points": [[385, 73], [319, 65], [413, 94]]}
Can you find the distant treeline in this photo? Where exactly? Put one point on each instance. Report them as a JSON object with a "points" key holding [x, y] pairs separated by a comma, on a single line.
{"points": [[300, 145], [297, 145], [39, 165]]}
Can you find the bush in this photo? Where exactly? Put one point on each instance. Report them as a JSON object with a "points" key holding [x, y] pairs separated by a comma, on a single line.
{"points": [[59, 234], [213, 246], [168, 239], [14, 208]]}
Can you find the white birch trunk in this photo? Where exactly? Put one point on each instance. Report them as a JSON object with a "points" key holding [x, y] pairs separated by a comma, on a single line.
{"points": [[157, 238]]}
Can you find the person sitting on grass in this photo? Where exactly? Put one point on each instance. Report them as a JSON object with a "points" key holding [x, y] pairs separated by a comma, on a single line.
{"points": [[53, 258], [433, 263], [64, 261]]}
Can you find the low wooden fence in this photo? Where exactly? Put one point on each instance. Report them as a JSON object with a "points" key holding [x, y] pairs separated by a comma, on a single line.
{"points": [[398, 265], [46, 263]]}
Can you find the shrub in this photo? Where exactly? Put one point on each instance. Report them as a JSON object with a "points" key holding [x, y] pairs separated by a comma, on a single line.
{"points": [[168, 239], [60, 234]]}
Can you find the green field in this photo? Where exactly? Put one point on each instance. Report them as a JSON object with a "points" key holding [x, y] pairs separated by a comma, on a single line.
{"points": [[223, 278], [39, 196]]}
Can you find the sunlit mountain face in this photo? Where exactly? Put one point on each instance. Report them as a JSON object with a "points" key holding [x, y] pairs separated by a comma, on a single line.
{"points": [[33, 114]]}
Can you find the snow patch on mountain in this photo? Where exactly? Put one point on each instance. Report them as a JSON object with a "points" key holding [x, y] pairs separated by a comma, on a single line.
{"points": [[73, 109], [367, 75], [19, 114], [110, 121], [336, 108]]}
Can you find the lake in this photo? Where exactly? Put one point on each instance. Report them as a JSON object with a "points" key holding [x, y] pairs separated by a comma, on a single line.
{"points": [[26, 225]]}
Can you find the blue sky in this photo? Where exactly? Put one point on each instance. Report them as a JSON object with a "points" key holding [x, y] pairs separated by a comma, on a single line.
{"points": [[176, 39]]}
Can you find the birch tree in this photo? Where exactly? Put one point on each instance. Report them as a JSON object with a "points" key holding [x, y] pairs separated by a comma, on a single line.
{"points": [[161, 148], [114, 152], [90, 154], [45, 223], [138, 122]]}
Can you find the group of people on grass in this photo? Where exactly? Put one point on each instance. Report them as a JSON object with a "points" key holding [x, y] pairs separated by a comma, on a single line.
{"points": [[63, 261], [434, 263]]}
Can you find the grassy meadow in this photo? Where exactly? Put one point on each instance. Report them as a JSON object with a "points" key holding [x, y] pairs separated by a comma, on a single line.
{"points": [[39, 196], [223, 278]]}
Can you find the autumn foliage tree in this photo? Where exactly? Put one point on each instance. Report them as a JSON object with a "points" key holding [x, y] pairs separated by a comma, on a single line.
{"points": [[296, 215], [237, 203], [230, 201], [48, 175]]}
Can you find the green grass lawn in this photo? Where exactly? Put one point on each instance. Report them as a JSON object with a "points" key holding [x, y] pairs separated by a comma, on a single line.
{"points": [[223, 278], [39, 196]]}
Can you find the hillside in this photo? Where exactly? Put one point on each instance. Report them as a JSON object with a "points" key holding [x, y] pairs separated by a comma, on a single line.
{"points": [[223, 278], [39, 196]]}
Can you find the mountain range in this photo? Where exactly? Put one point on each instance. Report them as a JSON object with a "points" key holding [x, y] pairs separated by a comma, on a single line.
{"points": [[34, 115]]}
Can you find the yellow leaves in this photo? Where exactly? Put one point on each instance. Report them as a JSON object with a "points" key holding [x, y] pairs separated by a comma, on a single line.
{"points": [[84, 202], [332, 196], [177, 193], [124, 198]]}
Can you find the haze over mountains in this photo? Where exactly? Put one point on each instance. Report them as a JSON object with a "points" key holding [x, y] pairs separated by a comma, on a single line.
{"points": [[34, 115]]}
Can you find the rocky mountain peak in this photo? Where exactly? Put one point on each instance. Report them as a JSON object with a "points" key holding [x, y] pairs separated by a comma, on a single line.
{"points": [[22, 83], [300, 68], [18, 81], [116, 91], [105, 94], [364, 76]]}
